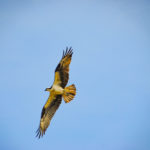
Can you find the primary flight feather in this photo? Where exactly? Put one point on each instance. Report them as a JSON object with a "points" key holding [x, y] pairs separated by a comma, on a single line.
{"points": [[57, 91]]}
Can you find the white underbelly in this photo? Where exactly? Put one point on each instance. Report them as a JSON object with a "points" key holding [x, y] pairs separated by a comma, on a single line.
{"points": [[58, 89]]}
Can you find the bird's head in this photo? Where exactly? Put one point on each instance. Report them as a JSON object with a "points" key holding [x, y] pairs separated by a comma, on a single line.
{"points": [[48, 89]]}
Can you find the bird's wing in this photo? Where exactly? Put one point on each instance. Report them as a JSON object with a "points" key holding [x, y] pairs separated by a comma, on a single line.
{"points": [[62, 69], [48, 112]]}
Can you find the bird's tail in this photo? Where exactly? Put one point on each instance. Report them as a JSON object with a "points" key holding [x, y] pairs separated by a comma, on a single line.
{"points": [[69, 93]]}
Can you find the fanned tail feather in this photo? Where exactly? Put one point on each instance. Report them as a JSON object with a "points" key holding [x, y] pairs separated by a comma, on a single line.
{"points": [[69, 93]]}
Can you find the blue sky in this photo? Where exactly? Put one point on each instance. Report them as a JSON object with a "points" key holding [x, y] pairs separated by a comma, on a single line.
{"points": [[110, 68]]}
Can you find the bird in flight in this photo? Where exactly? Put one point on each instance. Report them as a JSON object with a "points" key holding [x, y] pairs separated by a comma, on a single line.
{"points": [[57, 91]]}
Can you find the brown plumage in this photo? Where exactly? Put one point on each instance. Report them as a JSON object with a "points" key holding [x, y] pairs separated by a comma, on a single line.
{"points": [[62, 69], [57, 91]]}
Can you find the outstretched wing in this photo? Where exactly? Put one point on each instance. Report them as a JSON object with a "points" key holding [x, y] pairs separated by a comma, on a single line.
{"points": [[62, 70], [48, 112]]}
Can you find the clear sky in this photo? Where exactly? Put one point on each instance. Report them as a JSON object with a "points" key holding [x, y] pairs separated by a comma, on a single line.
{"points": [[110, 68]]}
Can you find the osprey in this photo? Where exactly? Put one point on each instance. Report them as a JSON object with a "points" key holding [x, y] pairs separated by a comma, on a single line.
{"points": [[57, 91]]}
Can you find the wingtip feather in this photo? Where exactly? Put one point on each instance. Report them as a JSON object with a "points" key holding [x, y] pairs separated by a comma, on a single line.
{"points": [[68, 51], [39, 133]]}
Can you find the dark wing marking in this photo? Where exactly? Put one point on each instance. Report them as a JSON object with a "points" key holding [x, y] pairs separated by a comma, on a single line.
{"points": [[62, 69], [47, 114]]}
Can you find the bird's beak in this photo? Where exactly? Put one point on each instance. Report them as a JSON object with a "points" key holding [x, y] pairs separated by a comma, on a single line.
{"points": [[47, 89]]}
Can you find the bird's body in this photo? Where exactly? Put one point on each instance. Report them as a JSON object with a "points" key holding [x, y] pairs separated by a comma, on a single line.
{"points": [[57, 91]]}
